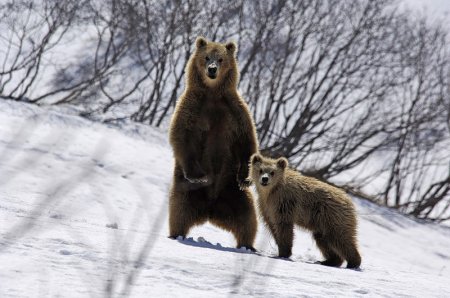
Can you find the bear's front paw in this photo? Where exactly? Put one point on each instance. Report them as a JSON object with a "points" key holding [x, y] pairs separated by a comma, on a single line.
{"points": [[244, 183]]}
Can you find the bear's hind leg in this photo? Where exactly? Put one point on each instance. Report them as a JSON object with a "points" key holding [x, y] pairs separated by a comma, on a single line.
{"points": [[186, 209], [243, 229], [245, 233], [234, 211], [331, 257]]}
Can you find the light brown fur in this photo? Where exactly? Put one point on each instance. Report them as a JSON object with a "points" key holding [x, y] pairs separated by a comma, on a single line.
{"points": [[213, 136], [290, 198]]}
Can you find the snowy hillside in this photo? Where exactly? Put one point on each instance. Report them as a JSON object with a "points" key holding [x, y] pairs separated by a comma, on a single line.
{"points": [[83, 213]]}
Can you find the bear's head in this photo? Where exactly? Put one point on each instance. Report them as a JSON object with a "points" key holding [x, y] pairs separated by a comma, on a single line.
{"points": [[214, 63], [266, 172]]}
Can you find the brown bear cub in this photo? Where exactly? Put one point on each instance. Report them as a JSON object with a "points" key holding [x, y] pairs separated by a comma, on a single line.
{"points": [[212, 135], [286, 198]]}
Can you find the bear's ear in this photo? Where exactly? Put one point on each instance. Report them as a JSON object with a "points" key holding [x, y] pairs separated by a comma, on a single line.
{"points": [[256, 158], [282, 163], [231, 47], [201, 42]]}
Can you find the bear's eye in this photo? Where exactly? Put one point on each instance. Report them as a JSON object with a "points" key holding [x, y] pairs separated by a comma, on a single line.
{"points": [[260, 171], [207, 58], [272, 173], [220, 60]]}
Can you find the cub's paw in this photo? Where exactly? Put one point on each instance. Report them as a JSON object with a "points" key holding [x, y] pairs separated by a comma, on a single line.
{"points": [[331, 263], [285, 253]]}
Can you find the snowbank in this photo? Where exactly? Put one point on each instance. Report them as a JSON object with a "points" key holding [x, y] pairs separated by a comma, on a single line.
{"points": [[83, 212]]}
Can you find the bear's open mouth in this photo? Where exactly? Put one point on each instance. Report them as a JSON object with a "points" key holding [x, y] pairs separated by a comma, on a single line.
{"points": [[211, 76], [264, 183]]}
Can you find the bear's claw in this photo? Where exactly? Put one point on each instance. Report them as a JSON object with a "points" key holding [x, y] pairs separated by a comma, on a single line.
{"points": [[202, 180]]}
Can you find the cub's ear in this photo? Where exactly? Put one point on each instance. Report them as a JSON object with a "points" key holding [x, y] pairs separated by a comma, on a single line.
{"points": [[201, 42], [282, 163], [231, 47], [256, 158]]}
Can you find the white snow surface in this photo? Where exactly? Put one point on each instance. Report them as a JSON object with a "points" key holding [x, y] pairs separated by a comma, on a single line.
{"points": [[83, 213]]}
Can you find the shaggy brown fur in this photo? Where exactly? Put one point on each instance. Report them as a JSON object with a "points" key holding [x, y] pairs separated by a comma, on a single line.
{"points": [[286, 198], [213, 136]]}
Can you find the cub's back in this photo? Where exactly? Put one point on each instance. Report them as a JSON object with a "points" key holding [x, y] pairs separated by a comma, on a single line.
{"points": [[317, 203]]}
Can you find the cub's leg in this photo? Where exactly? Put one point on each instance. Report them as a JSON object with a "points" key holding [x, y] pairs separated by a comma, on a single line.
{"points": [[347, 248], [284, 237], [326, 247], [234, 211]]}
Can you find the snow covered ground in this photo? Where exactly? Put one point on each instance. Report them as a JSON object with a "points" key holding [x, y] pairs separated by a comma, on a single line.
{"points": [[83, 213]]}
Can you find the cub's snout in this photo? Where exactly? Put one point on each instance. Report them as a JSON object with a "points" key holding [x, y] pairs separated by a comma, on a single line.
{"points": [[264, 179]]}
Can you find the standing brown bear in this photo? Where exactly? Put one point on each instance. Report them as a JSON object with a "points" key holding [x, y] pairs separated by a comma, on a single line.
{"points": [[286, 198], [213, 136]]}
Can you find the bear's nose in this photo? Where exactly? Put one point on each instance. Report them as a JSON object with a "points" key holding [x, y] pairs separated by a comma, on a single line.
{"points": [[265, 179], [212, 70]]}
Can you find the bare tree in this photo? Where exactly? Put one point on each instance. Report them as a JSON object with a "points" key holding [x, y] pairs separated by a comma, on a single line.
{"points": [[29, 31], [352, 92]]}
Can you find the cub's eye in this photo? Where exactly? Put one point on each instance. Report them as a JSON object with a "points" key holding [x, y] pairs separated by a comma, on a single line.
{"points": [[260, 171], [220, 60], [272, 173], [207, 58]]}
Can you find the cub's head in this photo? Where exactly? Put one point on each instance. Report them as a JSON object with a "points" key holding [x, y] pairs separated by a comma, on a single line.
{"points": [[215, 62], [267, 172]]}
